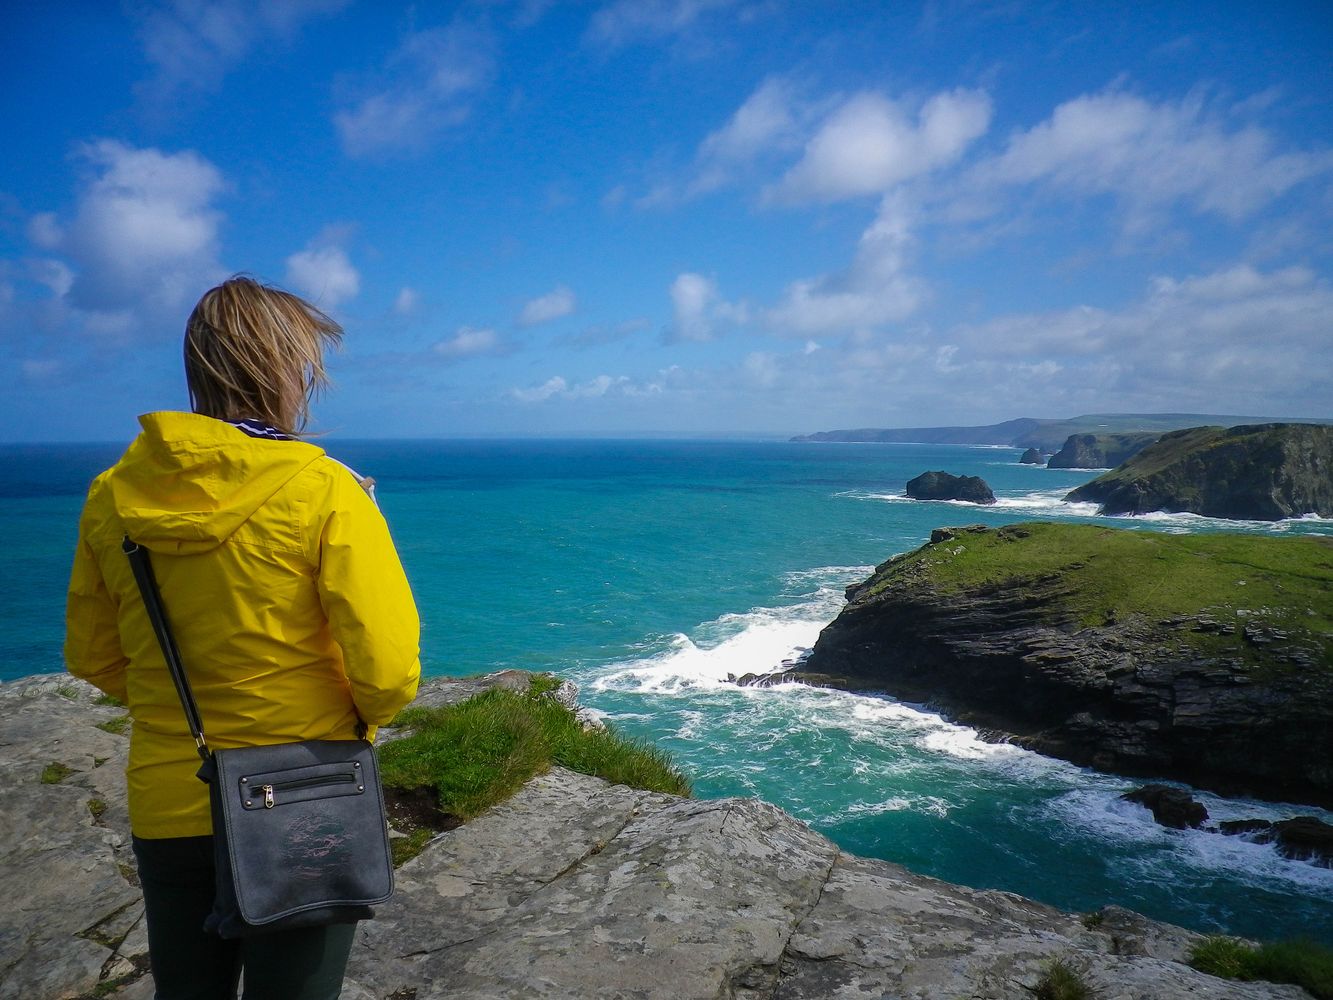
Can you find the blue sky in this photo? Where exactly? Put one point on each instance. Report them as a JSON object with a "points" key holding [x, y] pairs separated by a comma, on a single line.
{"points": [[676, 216]]}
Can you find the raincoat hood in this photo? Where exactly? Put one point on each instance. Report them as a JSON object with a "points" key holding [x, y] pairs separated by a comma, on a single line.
{"points": [[188, 481]]}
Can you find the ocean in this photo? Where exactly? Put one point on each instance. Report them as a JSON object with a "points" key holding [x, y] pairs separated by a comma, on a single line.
{"points": [[646, 571]]}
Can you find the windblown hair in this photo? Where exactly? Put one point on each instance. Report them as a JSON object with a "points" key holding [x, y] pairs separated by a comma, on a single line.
{"points": [[253, 351]]}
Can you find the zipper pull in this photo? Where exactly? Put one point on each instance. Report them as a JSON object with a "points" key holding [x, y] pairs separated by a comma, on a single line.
{"points": [[268, 796]]}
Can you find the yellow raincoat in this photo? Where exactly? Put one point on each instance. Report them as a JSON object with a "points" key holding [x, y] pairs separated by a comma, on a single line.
{"points": [[281, 584]]}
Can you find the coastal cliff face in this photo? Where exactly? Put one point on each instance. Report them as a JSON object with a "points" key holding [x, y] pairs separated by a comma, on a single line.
{"points": [[573, 888], [1208, 659], [1099, 451], [1262, 472]]}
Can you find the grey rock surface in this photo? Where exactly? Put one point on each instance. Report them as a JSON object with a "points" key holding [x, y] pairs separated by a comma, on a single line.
{"points": [[574, 888], [74, 916]]}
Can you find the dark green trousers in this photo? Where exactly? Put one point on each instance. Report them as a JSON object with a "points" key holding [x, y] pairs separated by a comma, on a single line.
{"points": [[188, 964]]}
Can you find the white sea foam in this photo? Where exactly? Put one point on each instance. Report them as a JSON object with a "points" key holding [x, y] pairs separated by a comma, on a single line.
{"points": [[1048, 503], [1186, 523], [1044, 502], [931, 805], [759, 648], [1097, 812], [760, 640]]}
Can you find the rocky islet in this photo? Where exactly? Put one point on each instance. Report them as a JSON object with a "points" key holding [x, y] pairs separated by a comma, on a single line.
{"points": [[946, 486]]}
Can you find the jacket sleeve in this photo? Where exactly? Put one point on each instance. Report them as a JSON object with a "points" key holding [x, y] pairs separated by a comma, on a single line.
{"points": [[368, 603], [92, 636]]}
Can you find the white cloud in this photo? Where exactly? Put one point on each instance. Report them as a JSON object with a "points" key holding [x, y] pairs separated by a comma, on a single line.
{"points": [[1151, 156], [144, 235], [554, 304], [876, 289], [323, 271], [469, 342], [870, 143], [41, 370], [1235, 340], [193, 43], [44, 231], [691, 296], [406, 302], [54, 274], [553, 386], [770, 120], [761, 368], [432, 75], [626, 22], [558, 387], [698, 308]]}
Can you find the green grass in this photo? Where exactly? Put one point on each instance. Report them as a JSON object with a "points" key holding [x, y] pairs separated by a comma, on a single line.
{"points": [[406, 848], [68, 692], [97, 807], [1061, 981], [1168, 450], [541, 684], [1109, 574], [477, 753], [117, 725], [55, 772], [1301, 963]]}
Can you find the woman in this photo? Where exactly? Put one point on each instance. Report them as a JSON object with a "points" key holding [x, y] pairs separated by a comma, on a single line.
{"points": [[287, 600]]}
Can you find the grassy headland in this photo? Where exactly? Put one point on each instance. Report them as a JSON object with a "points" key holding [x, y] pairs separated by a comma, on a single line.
{"points": [[1202, 658], [1265, 472], [1110, 574]]}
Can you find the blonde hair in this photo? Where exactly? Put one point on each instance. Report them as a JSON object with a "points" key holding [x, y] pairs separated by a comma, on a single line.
{"points": [[253, 351]]}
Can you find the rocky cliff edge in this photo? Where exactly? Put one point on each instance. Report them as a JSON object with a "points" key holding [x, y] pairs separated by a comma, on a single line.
{"points": [[574, 888]]}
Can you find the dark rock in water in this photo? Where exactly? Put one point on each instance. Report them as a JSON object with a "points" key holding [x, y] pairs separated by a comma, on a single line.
{"points": [[1171, 807], [1030, 457], [1301, 838], [1099, 451], [943, 486], [1305, 838], [1241, 827], [1262, 472], [788, 677]]}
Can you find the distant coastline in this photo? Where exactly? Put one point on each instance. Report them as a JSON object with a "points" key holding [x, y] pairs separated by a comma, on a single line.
{"points": [[1043, 433]]}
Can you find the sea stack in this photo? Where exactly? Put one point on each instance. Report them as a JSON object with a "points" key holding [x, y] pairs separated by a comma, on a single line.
{"points": [[943, 486]]}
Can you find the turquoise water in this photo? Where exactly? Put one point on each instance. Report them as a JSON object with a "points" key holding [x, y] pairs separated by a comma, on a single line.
{"points": [[647, 571]]}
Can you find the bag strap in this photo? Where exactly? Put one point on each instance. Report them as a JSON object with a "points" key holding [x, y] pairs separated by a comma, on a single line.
{"points": [[152, 599]]}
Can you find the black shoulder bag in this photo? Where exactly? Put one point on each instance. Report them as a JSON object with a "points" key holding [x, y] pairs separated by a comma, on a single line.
{"points": [[299, 832]]}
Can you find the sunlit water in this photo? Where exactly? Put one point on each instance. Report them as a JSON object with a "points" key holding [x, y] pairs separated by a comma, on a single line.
{"points": [[648, 571]]}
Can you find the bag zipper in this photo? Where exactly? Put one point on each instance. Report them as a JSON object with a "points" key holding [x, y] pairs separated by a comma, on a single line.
{"points": [[287, 786]]}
